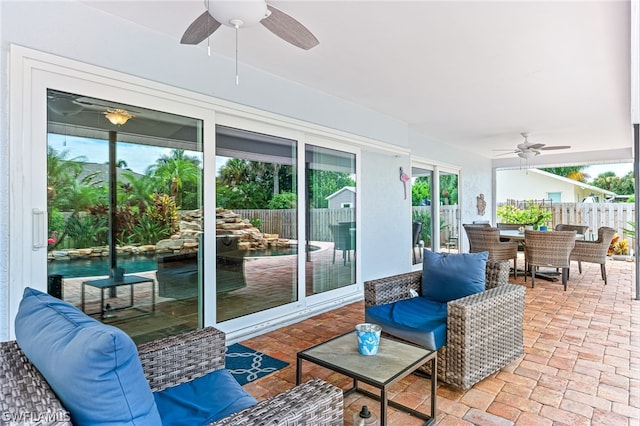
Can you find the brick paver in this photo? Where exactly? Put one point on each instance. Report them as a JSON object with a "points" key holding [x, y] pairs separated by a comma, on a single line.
{"points": [[581, 363]]}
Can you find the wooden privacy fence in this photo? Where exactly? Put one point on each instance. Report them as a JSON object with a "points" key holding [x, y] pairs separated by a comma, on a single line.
{"points": [[284, 222]]}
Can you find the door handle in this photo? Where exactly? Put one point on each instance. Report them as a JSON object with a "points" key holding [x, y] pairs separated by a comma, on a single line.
{"points": [[39, 232]]}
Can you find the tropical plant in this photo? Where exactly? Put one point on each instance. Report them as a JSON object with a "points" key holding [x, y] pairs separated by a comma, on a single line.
{"points": [[164, 212], [174, 172], [424, 216], [148, 231], [571, 172], [535, 215], [618, 246], [631, 231], [285, 200], [85, 230], [620, 185], [256, 222], [421, 192], [325, 183]]}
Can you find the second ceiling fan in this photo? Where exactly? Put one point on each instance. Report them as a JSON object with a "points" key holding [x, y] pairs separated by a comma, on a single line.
{"points": [[528, 149]]}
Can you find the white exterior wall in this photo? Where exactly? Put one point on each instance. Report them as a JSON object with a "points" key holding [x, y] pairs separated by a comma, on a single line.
{"points": [[525, 185], [73, 30]]}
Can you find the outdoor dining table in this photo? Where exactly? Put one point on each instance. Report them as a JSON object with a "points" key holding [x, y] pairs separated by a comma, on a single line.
{"points": [[514, 234]]}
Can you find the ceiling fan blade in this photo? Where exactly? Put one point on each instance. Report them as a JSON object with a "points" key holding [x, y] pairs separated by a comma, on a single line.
{"points": [[549, 148], [536, 146], [201, 28], [288, 29], [506, 153]]}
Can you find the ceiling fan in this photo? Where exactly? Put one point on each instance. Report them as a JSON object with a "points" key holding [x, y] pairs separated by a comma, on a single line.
{"points": [[239, 14], [528, 149]]}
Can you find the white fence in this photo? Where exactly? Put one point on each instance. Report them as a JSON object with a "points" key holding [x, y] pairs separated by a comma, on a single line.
{"points": [[595, 215]]}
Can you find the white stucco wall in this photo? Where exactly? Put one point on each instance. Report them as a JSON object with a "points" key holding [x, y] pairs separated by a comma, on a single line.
{"points": [[74, 30]]}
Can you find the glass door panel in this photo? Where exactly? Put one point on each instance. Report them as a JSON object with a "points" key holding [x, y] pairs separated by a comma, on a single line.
{"points": [[449, 211], [256, 222], [330, 252], [124, 202], [421, 190]]}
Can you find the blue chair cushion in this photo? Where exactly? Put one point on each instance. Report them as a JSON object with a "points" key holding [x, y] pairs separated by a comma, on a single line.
{"points": [[92, 367], [447, 277], [418, 320], [203, 400]]}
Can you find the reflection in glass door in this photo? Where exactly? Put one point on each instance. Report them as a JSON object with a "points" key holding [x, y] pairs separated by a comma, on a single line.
{"points": [[124, 202], [421, 190], [449, 211], [330, 253], [441, 233], [256, 222]]}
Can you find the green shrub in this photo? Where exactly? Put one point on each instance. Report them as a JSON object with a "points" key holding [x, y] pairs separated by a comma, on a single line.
{"points": [[285, 200], [536, 215]]}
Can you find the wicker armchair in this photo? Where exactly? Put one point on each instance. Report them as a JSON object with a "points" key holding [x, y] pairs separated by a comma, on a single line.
{"points": [[484, 330], [168, 362], [580, 229], [548, 249], [594, 251], [488, 239]]}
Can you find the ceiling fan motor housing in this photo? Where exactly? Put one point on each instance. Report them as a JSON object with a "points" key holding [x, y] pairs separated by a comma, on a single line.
{"points": [[241, 13]]}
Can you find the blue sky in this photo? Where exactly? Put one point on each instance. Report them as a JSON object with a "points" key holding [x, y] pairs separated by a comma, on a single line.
{"points": [[619, 169], [138, 157]]}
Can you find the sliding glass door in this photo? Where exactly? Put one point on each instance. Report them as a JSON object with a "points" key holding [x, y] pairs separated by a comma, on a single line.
{"points": [[124, 213], [330, 253], [256, 222], [435, 210]]}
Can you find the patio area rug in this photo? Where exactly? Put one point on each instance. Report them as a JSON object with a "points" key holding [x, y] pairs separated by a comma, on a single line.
{"points": [[248, 365]]}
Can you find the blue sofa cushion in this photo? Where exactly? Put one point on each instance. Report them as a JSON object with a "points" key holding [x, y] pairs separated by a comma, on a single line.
{"points": [[203, 400], [92, 367], [418, 320], [447, 277]]}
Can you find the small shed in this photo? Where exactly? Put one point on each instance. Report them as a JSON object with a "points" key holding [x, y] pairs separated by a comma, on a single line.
{"points": [[344, 198]]}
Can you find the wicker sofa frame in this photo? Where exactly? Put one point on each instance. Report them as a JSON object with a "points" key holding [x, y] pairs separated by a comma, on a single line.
{"points": [[168, 362], [484, 330]]}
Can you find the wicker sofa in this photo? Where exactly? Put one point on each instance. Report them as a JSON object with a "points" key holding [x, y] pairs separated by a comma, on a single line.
{"points": [[484, 330], [27, 397]]}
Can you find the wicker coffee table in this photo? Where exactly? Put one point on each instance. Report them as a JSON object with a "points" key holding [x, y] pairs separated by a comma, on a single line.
{"points": [[394, 361]]}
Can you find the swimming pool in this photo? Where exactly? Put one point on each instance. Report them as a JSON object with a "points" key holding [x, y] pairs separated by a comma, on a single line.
{"points": [[93, 267], [100, 266]]}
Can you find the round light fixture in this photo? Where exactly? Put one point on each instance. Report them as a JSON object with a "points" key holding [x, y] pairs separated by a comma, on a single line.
{"points": [[237, 14]]}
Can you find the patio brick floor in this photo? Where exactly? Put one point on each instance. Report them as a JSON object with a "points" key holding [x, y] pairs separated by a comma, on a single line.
{"points": [[581, 364]]}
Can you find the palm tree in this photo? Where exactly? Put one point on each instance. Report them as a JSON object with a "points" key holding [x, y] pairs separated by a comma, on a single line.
{"points": [[136, 191], [174, 171]]}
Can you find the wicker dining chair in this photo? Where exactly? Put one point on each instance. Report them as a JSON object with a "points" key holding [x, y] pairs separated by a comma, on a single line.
{"points": [[548, 249], [594, 251], [580, 229], [486, 238]]}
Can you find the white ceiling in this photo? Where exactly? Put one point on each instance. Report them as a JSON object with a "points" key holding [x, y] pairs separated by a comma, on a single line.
{"points": [[471, 74]]}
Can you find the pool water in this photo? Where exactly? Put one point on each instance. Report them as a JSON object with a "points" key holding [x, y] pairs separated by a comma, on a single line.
{"points": [[100, 266], [135, 264]]}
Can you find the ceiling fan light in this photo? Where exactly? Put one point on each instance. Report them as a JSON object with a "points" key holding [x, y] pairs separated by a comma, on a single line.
{"points": [[247, 12], [526, 154], [118, 116]]}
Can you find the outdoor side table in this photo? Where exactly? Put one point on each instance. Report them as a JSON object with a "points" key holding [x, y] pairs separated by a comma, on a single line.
{"points": [[111, 283], [394, 361]]}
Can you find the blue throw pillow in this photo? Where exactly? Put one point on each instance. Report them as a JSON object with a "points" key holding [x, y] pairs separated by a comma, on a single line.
{"points": [[92, 367], [203, 400], [447, 277]]}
